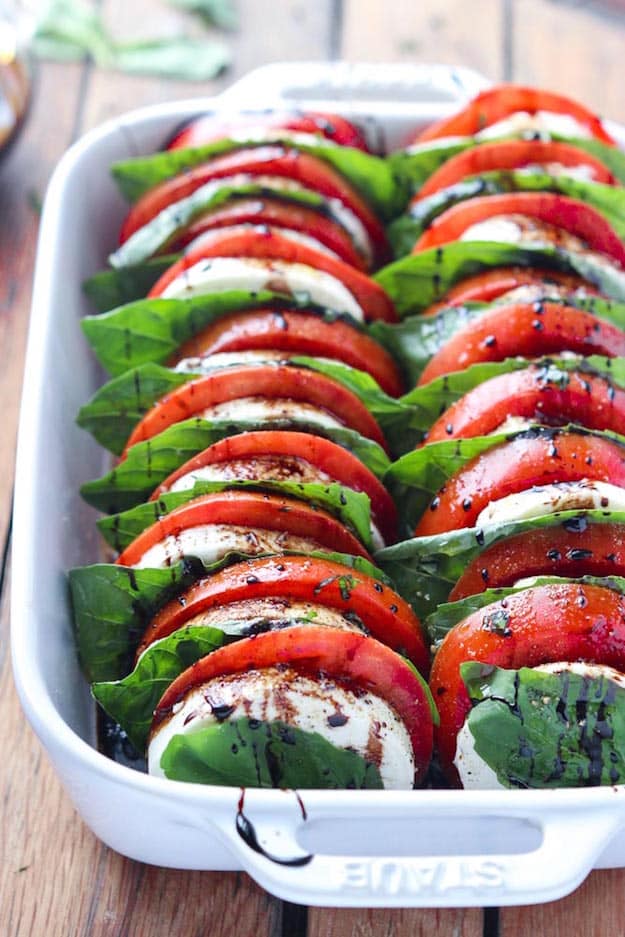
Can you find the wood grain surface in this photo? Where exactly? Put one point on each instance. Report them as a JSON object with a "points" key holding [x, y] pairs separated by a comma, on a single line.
{"points": [[56, 878]]}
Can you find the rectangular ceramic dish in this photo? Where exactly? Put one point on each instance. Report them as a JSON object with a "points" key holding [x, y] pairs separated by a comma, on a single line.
{"points": [[418, 848]]}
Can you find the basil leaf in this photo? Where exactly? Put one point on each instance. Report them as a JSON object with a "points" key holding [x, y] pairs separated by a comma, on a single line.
{"points": [[179, 57], [417, 281], [537, 729], [219, 13], [351, 507], [108, 289], [251, 753]]}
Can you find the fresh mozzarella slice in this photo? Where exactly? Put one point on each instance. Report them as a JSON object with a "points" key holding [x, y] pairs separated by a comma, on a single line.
{"points": [[210, 542], [592, 671], [227, 359], [261, 134], [542, 122], [360, 722], [233, 273], [539, 292], [474, 773], [297, 237], [272, 613], [275, 410], [513, 424], [584, 495], [265, 468], [583, 173]]}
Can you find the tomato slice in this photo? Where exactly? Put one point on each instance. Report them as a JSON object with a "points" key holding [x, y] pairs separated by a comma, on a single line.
{"points": [[281, 213], [266, 381], [537, 394], [568, 214], [275, 160], [290, 450], [352, 659], [209, 128], [519, 464], [574, 549], [527, 329], [383, 613], [296, 333], [266, 243], [489, 285], [499, 102], [512, 154], [564, 622], [248, 509]]}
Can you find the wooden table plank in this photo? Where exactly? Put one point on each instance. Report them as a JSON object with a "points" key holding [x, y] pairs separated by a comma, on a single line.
{"points": [[428, 31], [333, 922]]}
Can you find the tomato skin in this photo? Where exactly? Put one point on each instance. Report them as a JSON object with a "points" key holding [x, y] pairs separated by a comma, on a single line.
{"points": [[384, 613], [489, 285], [575, 217], [516, 465], [296, 333], [354, 659], [544, 624], [271, 160], [281, 213], [248, 509], [586, 400], [530, 330], [496, 103], [509, 155], [207, 128], [280, 381], [576, 549], [264, 243], [325, 455]]}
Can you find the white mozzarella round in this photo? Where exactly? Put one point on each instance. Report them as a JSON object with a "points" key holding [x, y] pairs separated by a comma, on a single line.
{"points": [[270, 410], [296, 237], [584, 495], [255, 612], [220, 274], [228, 359], [474, 773], [361, 722], [542, 122], [582, 669]]}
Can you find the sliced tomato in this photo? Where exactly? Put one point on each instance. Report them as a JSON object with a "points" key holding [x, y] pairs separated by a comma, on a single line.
{"points": [[527, 329], [489, 285], [567, 214], [290, 450], [359, 662], [248, 509], [209, 127], [501, 101], [265, 243], [267, 381], [564, 622], [281, 213], [508, 155], [574, 549], [273, 160], [296, 333], [536, 394], [519, 464], [383, 613]]}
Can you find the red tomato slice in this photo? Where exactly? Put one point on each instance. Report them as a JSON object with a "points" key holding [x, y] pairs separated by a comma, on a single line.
{"points": [[572, 549], [296, 333], [534, 394], [355, 660], [282, 214], [546, 624], [514, 466], [266, 243], [489, 285], [208, 128], [499, 102], [511, 154], [530, 330], [290, 450], [383, 613], [267, 381], [249, 509], [272, 160], [568, 214]]}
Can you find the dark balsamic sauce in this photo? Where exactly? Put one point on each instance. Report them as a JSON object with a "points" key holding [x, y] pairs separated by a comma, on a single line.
{"points": [[245, 829]]}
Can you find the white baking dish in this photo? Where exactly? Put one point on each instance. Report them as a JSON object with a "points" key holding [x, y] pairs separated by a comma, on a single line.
{"points": [[421, 848]]}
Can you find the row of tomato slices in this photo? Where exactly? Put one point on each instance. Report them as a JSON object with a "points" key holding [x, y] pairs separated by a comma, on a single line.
{"points": [[547, 324]]}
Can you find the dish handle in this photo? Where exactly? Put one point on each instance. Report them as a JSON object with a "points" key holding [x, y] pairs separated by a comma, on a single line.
{"points": [[272, 841]]}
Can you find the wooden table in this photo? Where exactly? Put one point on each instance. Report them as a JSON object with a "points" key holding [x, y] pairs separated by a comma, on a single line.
{"points": [[56, 878]]}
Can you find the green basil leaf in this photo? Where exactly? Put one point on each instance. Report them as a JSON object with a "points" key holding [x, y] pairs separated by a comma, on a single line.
{"points": [[179, 57], [250, 753], [108, 289], [219, 13]]}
